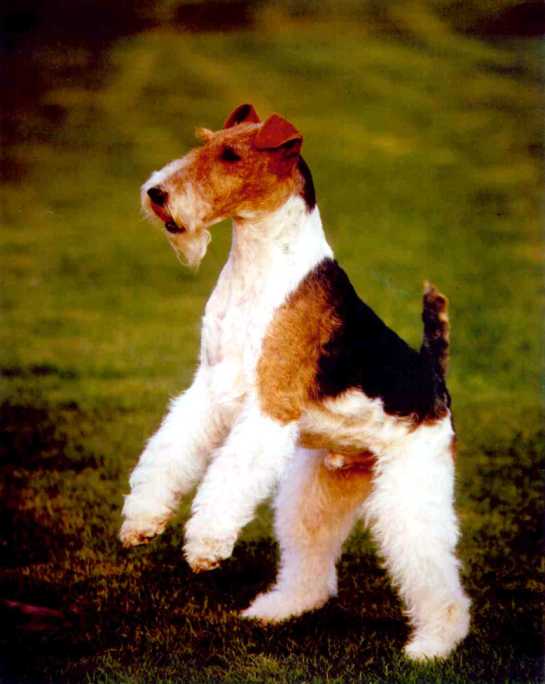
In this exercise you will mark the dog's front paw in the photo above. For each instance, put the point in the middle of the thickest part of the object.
(206, 554)
(138, 531)
(204, 550)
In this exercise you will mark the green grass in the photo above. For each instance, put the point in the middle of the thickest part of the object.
(426, 153)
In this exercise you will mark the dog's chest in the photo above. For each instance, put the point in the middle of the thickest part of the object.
(236, 319)
(266, 263)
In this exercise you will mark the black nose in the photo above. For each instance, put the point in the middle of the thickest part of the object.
(157, 196)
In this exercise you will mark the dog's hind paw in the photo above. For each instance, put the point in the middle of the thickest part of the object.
(438, 640)
(277, 605)
(421, 648)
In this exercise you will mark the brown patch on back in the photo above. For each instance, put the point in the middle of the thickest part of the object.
(286, 371)
(324, 341)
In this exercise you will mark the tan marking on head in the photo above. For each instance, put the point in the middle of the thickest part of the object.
(204, 134)
(236, 178)
(287, 368)
(229, 176)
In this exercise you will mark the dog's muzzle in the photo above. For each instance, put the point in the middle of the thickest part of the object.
(159, 198)
(174, 227)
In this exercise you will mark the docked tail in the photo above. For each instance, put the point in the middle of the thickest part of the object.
(436, 328)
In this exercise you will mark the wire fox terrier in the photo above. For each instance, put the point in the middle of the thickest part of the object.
(299, 383)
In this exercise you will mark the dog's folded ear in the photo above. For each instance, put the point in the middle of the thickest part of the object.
(277, 133)
(244, 113)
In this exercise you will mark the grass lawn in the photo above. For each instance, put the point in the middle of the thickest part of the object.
(426, 150)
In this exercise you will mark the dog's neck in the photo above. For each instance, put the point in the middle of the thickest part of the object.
(290, 238)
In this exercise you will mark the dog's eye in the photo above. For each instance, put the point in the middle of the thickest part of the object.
(229, 154)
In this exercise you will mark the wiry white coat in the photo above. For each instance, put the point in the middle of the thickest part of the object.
(216, 432)
(218, 418)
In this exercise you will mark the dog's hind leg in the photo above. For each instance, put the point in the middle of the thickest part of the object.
(412, 515)
(172, 462)
(316, 508)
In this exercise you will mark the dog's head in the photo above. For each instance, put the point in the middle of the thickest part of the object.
(245, 170)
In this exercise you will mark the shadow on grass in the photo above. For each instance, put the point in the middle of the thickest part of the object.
(157, 611)
(36, 440)
(154, 613)
(42, 437)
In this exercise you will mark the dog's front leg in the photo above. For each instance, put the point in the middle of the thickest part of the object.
(172, 462)
(242, 475)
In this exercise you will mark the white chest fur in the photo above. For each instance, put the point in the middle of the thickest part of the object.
(269, 257)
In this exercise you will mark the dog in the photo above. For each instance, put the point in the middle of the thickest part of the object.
(299, 383)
